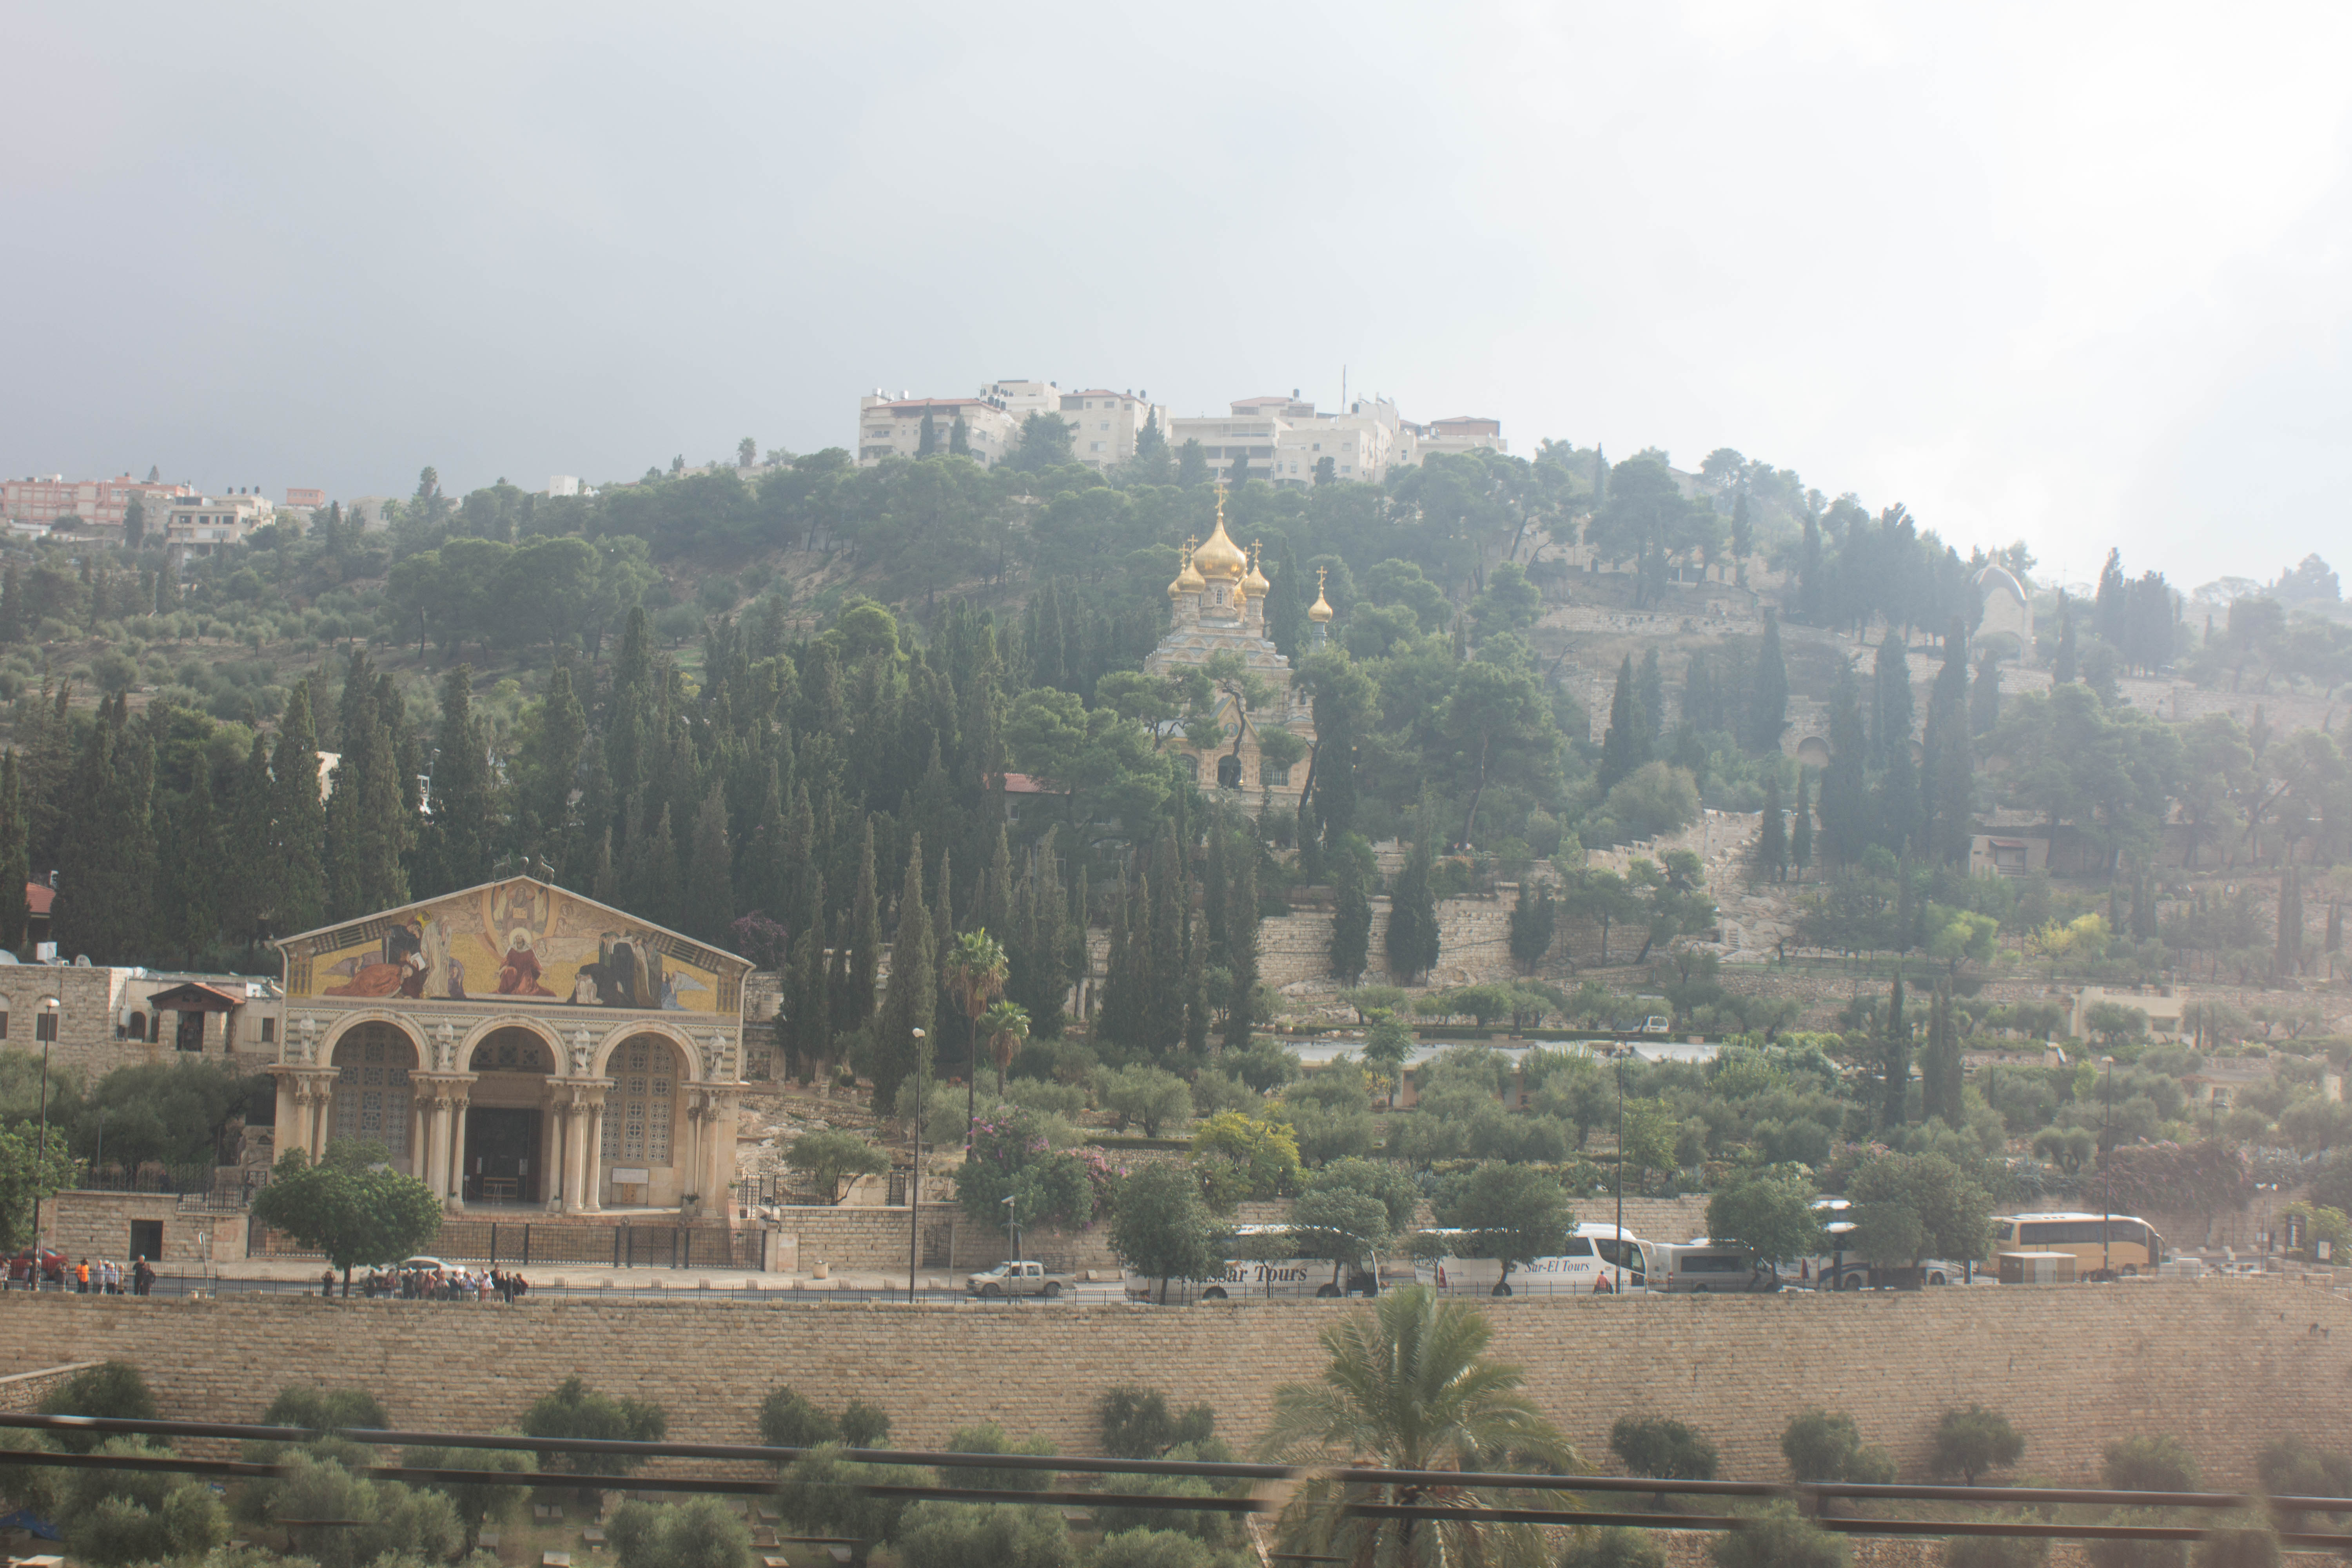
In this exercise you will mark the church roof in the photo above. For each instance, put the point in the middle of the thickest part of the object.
(1994, 577)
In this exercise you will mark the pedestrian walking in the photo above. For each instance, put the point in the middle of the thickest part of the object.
(81, 1276)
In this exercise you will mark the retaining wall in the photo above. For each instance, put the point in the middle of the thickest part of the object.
(2226, 1367)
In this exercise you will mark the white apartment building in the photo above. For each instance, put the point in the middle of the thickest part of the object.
(893, 426)
(1103, 424)
(1285, 438)
(1462, 434)
(199, 525)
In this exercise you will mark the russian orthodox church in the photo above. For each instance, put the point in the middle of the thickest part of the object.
(1219, 597)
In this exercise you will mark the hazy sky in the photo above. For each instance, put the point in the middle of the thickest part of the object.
(2076, 274)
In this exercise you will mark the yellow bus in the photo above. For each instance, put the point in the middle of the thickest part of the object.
(2122, 1243)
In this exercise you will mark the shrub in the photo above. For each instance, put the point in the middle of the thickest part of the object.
(2154, 1464)
(2293, 1468)
(955, 1535)
(1970, 1442)
(1210, 1527)
(1616, 1548)
(703, 1533)
(818, 1493)
(1778, 1537)
(136, 1516)
(788, 1420)
(988, 1437)
(864, 1426)
(1153, 1549)
(2247, 1546)
(1994, 1552)
(113, 1388)
(1820, 1447)
(1665, 1450)
(1136, 1423)
(2139, 1554)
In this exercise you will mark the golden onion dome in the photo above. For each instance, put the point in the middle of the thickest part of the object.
(1255, 583)
(1220, 558)
(1187, 581)
(1320, 610)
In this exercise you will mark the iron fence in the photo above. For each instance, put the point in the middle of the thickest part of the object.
(531, 1242)
(1231, 1484)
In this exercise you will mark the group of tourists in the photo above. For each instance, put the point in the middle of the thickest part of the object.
(108, 1278)
(421, 1282)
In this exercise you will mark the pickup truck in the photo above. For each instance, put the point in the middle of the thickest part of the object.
(1019, 1278)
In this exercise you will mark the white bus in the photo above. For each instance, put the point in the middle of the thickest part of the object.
(1262, 1279)
(1594, 1262)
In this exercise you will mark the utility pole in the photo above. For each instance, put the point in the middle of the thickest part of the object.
(1620, 1264)
(915, 1188)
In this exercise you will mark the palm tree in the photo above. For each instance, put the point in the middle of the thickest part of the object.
(1409, 1387)
(1005, 1027)
(974, 971)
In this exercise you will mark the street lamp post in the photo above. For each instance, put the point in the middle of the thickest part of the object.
(915, 1188)
(1620, 1264)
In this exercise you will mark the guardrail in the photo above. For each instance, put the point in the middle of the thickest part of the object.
(1816, 1496)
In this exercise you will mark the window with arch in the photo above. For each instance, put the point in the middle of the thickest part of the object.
(372, 1093)
(639, 1105)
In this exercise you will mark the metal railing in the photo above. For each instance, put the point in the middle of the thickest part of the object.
(531, 1243)
(1816, 1497)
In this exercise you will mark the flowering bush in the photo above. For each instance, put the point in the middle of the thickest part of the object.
(1015, 1155)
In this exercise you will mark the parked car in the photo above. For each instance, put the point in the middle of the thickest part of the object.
(1025, 1278)
(48, 1259)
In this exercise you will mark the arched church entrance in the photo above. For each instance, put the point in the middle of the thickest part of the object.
(645, 1154)
(510, 1123)
(372, 1096)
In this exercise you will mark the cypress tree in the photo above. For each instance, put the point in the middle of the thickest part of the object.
(1285, 605)
(812, 1013)
(2063, 667)
(2290, 921)
(1650, 688)
(1351, 922)
(1946, 785)
(1241, 948)
(1196, 993)
(1939, 1062)
(865, 944)
(1891, 706)
(1163, 959)
(1768, 698)
(662, 887)
(187, 873)
(910, 995)
(250, 881)
(1411, 943)
(1626, 744)
(348, 830)
(1122, 1004)
(549, 765)
(710, 905)
(1533, 921)
(1772, 835)
(1984, 697)
(12, 605)
(1846, 826)
(1895, 1081)
(297, 836)
(1213, 904)
(460, 823)
(15, 868)
(764, 883)
(1801, 833)
(383, 818)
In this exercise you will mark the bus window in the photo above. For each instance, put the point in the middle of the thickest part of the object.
(2127, 1233)
(1578, 1247)
(2005, 1232)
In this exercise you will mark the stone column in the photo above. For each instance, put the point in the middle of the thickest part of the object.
(718, 1153)
(416, 1135)
(593, 1194)
(690, 1163)
(575, 1169)
(545, 1158)
(428, 1169)
(457, 1155)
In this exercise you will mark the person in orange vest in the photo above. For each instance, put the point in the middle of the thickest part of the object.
(81, 1276)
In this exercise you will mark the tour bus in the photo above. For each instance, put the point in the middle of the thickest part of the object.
(1261, 1279)
(1594, 1262)
(2130, 1245)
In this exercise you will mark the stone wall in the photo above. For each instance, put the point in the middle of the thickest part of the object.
(864, 1239)
(98, 1224)
(24, 1391)
(2226, 1367)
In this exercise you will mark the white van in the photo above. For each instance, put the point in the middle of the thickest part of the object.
(1594, 1254)
(1261, 1279)
(1704, 1267)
